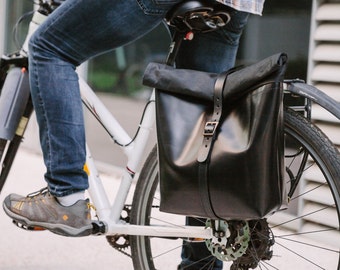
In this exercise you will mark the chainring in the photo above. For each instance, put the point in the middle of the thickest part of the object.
(121, 241)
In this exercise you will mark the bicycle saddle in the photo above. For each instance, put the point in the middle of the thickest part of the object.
(198, 16)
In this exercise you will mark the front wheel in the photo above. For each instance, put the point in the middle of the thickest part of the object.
(305, 236)
(16, 109)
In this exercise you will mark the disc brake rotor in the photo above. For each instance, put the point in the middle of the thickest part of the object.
(230, 239)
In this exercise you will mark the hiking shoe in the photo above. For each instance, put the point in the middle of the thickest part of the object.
(41, 210)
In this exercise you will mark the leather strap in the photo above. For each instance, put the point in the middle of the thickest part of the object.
(208, 139)
(212, 124)
(204, 189)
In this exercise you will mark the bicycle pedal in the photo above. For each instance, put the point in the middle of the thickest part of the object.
(99, 228)
(27, 228)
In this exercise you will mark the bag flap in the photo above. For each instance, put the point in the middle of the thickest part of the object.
(201, 84)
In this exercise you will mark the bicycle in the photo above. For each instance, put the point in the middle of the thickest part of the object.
(149, 233)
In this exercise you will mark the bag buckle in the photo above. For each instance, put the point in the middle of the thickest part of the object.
(210, 128)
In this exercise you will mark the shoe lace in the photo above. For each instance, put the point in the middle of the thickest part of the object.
(91, 206)
(44, 191)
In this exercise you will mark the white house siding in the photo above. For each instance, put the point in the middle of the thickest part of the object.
(324, 73)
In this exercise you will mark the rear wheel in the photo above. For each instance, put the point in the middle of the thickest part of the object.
(305, 236)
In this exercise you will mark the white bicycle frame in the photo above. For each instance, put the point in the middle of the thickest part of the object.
(107, 213)
(110, 214)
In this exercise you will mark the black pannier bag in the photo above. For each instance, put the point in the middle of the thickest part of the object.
(220, 140)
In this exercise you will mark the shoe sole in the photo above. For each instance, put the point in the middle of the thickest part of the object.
(59, 229)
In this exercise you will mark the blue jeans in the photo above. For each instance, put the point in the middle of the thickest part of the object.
(79, 30)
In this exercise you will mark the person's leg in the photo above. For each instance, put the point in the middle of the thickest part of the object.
(213, 51)
(210, 52)
(76, 31)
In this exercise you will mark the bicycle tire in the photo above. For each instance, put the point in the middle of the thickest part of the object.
(10, 153)
(9, 149)
(3, 144)
(149, 253)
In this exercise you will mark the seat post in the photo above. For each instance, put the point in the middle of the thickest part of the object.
(174, 47)
(194, 16)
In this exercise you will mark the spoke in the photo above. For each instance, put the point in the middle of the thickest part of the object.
(302, 257)
(167, 252)
(308, 191)
(304, 233)
(307, 244)
(167, 222)
(293, 157)
(269, 264)
(199, 220)
(210, 263)
(156, 198)
(308, 214)
(309, 166)
(254, 253)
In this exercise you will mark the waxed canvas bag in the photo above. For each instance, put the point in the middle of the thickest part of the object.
(220, 139)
